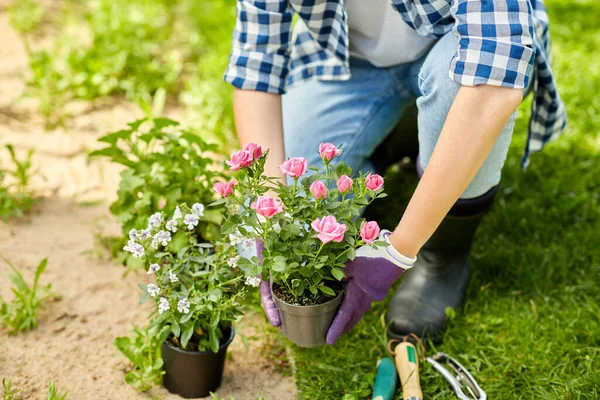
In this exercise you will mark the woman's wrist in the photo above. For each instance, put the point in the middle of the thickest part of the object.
(404, 244)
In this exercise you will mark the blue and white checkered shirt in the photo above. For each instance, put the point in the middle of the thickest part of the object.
(499, 40)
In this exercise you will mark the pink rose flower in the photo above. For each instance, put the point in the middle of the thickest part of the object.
(329, 229)
(344, 183)
(253, 149)
(224, 188)
(369, 232)
(318, 189)
(241, 159)
(294, 167)
(266, 206)
(374, 182)
(328, 151)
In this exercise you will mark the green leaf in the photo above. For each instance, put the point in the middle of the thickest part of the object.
(214, 339)
(328, 291)
(351, 253)
(338, 274)
(113, 137)
(175, 329)
(188, 330)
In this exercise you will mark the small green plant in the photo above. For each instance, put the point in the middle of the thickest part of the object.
(143, 351)
(165, 165)
(7, 392)
(21, 313)
(25, 17)
(53, 393)
(15, 198)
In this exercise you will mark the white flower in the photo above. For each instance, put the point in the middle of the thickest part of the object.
(172, 225)
(153, 268)
(134, 248)
(144, 234)
(163, 305)
(173, 277)
(249, 244)
(133, 234)
(152, 289)
(190, 220)
(155, 220)
(183, 306)
(198, 210)
(232, 262)
(177, 213)
(235, 238)
(253, 281)
(161, 237)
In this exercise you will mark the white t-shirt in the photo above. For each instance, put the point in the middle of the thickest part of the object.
(379, 34)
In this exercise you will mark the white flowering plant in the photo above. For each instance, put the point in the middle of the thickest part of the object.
(196, 286)
(165, 165)
(305, 231)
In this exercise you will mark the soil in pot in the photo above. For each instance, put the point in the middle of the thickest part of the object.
(308, 299)
(194, 374)
(307, 325)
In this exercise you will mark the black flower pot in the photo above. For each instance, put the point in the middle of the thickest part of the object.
(193, 374)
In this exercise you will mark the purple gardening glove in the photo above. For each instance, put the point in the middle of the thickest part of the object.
(370, 276)
(266, 297)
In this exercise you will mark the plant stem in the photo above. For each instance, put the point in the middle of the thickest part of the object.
(295, 186)
(320, 248)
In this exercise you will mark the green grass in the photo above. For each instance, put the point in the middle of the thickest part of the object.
(531, 326)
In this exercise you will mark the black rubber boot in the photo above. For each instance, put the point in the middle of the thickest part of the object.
(440, 276)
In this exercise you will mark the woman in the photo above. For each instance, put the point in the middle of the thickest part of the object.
(352, 68)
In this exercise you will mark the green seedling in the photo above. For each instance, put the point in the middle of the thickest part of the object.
(21, 313)
(15, 197)
(143, 351)
(53, 393)
(8, 393)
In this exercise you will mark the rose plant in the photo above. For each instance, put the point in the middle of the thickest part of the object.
(306, 230)
(196, 288)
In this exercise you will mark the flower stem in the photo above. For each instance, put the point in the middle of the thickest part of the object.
(295, 185)
(320, 248)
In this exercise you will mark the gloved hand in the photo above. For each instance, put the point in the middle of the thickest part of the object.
(370, 276)
(266, 297)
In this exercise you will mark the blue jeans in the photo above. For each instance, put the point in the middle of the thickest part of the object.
(361, 112)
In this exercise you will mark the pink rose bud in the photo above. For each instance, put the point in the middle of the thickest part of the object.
(240, 159)
(294, 167)
(329, 229)
(253, 149)
(318, 189)
(328, 151)
(224, 188)
(344, 183)
(266, 206)
(369, 231)
(374, 182)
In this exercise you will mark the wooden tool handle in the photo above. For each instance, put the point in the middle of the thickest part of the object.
(407, 363)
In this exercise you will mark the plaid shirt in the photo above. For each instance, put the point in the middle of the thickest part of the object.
(499, 40)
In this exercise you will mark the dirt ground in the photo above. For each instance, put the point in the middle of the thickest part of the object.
(74, 342)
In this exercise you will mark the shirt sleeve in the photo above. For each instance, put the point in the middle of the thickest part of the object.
(495, 43)
(261, 46)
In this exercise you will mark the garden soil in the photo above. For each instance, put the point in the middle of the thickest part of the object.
(73, 344)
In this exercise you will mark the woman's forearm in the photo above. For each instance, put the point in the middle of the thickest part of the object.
(258, 120)
(472, 126)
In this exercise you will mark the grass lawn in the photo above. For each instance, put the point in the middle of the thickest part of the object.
(531, 326)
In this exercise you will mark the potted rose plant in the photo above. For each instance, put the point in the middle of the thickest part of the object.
(196, 290)
(305, 232)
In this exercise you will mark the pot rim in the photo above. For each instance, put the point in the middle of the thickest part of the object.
(314, 305)
(200, 353)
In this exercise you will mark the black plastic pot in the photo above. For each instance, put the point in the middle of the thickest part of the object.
(307, 326)
(193, 374)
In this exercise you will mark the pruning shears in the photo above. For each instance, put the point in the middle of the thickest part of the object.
(407, 360)
(462, 382)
